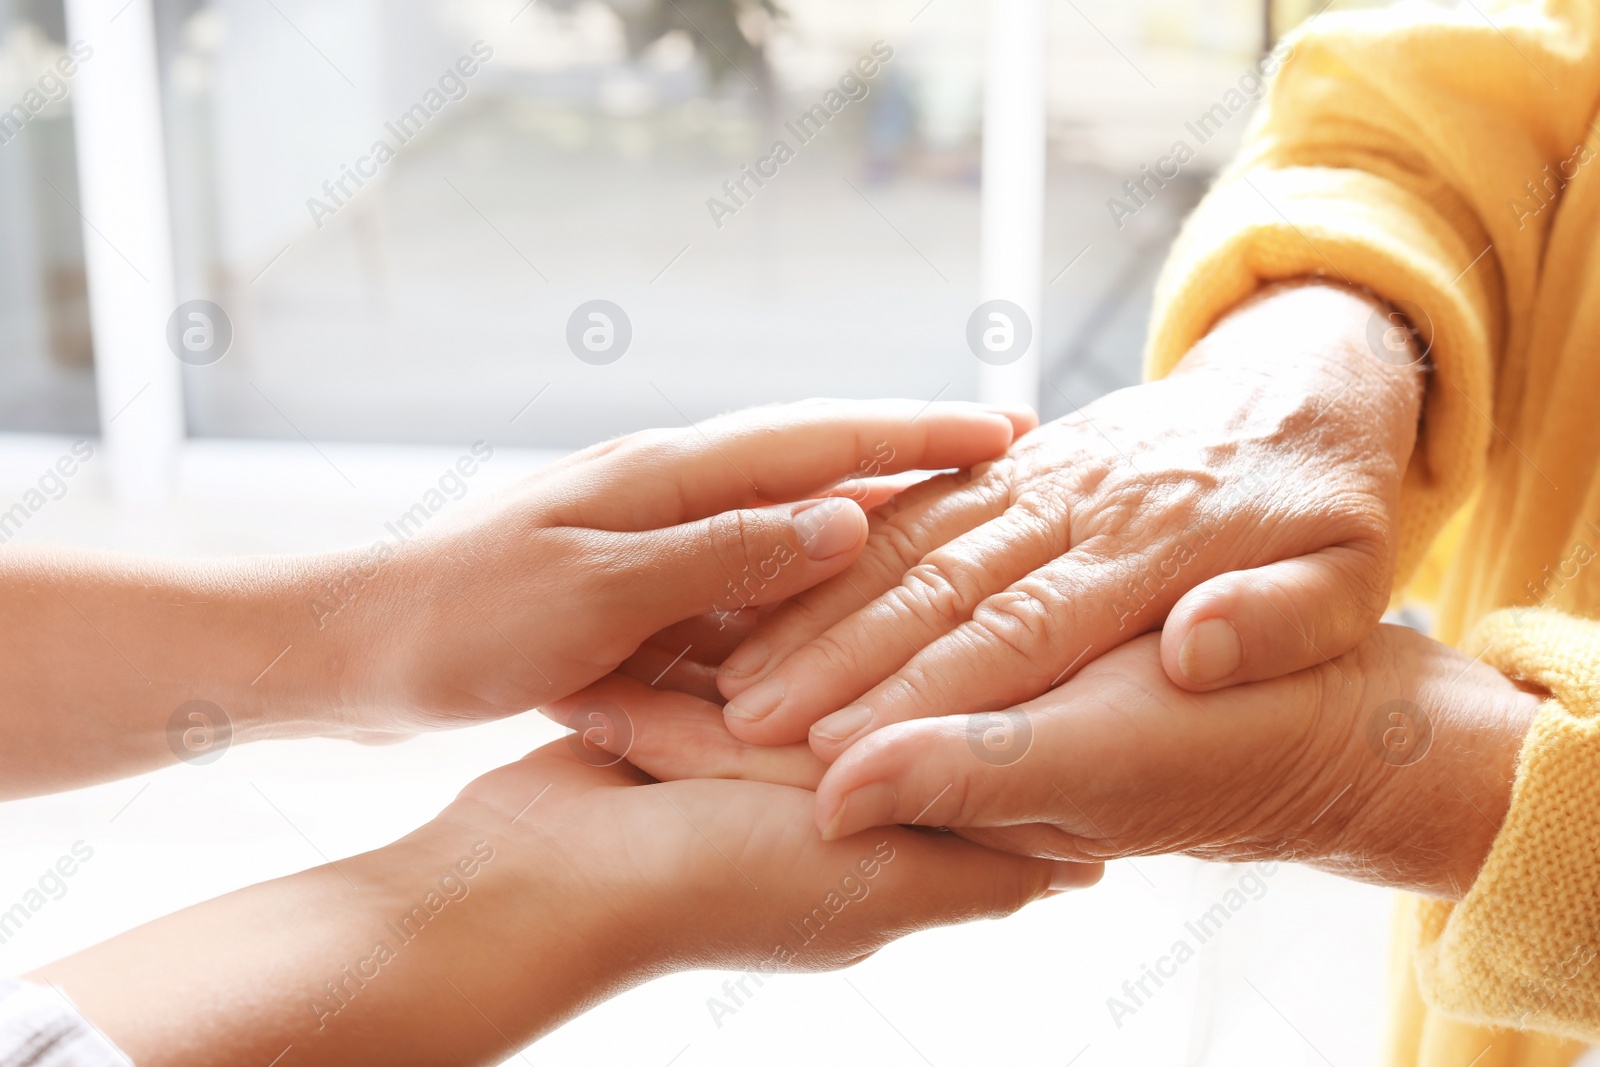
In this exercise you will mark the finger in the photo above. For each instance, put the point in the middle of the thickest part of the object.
(938, 595)
(381, 737)
(944, 772)
(514, 787)
(685, 656)
(1274, 620)
(710, 637)
(1119, 760)
(945, 879)
(1041, 841)
(663, 477)
(725, 563)
(922, 880)
(1019, 643)
(875, 492)
(673, 671)
(926, 517)
(673, 736)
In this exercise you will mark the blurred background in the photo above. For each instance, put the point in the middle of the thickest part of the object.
(369, 313)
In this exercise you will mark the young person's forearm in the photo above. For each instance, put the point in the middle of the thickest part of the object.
(114, 665)
(396, 956)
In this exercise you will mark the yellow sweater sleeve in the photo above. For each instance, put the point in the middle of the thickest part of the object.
(1390, 153)
(1522, 948)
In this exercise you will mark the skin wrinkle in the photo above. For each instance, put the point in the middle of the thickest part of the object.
(1036, 519)
(901, 543)
(940, 588)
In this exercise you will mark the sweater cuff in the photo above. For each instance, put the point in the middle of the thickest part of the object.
(1266, 225)
(1522, 948)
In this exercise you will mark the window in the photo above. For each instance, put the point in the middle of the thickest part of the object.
(402, 207)
(46, 353)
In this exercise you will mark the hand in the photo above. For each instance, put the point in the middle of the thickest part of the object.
(119, 664)
(556, 582)
(547, 886)
(713, 871)
(1246, 502)
(1392, 764)
(675, 735)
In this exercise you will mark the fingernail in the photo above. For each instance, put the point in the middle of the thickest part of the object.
(861, 809)
(828, 528)
(757, 702)
(843, 724)
(1211, 652)
(1065, 875)
(1022, 411)
(749, 658)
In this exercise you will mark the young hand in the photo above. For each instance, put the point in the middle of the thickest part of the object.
(117, 664)
(546, 887)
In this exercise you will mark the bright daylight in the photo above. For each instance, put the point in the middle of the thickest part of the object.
(695, 533)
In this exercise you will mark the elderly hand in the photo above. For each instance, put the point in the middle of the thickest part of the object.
(1246, 501)
(1392, 763)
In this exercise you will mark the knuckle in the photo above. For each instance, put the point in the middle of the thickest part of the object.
(649, 450)
(879, 567)
(897, 544)
(1017, 885)
(936, 593)
(1019, 620)
(1302, 630)
(917, 691)
(963, 805)
(651, 442)
(1369, 588)
(1041, 515)
(732, 542)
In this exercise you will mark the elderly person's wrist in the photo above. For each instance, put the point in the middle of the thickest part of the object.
(1355, 358)
(1433, 759)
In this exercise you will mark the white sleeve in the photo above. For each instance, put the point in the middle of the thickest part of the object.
(40, 1027)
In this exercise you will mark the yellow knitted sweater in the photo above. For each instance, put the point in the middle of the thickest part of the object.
(1450, 161)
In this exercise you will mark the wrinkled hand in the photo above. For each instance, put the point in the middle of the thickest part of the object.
(1392, 763)
(552, 584)
(1247, 501)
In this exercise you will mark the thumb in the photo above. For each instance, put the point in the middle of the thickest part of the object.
(969, 771)
(1258, 624)
(734, 560)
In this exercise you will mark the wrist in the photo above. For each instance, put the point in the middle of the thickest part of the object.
(565, 936)
(360, 628)
(294, 674)
(1343, 349)
(1432, 762)
(398, 955)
